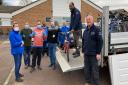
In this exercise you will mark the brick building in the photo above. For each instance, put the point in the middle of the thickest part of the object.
(45, 9)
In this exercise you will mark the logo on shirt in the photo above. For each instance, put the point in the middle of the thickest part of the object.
(92, 33)
(53, 36)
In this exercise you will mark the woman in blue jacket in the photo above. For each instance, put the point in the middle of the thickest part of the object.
(16, 43)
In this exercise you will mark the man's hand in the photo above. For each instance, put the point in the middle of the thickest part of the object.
(98, 57)
(72, 31)
(22, 43)
(23, 36)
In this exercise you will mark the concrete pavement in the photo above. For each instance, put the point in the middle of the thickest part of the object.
(46, 76)
(6, 61)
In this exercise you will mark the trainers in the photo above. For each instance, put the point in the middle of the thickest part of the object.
(74, 53)
(87, 84)
(33, 69)
(21, 75)
(29, 65)
(54, 67)
(19, 80)
(77, 55)
(26, 67)
(50, 65)
(39, 68)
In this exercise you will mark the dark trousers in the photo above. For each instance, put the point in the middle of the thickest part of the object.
(17, 60)
(27, 53)
(76, 36)
(45, 48)
(36, 56)
(91, 70)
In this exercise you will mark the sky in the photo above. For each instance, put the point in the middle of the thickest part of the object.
(113, 4)
(13, 2)
(110, 2)
(98, 2)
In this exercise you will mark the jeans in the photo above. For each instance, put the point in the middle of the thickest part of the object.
(17, 60)
(36, 56)
(91, 70)
(52, 52)
(27, 53)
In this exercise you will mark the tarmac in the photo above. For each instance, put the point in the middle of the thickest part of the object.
(6, 61)
(47, 76)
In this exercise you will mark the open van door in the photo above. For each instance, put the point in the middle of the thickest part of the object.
(105, 33)
(118, 65)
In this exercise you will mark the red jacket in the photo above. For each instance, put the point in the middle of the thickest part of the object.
(39, 37)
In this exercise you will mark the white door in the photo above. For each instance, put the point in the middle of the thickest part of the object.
(119, 69)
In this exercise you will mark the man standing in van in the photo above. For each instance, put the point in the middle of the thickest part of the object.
(75, 27)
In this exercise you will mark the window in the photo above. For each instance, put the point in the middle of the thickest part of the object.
(48, 19)
(61, 19)
(5, 22)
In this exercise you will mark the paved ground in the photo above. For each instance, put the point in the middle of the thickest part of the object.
(55, 77)
(6, 62)
(45, 77)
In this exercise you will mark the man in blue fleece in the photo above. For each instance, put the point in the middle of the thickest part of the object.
(91, 47)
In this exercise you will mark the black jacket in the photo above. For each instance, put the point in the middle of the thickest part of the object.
(53, 35)
(92, 41)
(75, 22)
(25, 33)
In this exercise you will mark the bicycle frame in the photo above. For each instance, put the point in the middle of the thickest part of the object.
(66, 45)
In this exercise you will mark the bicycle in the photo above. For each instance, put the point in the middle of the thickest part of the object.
(67, 42)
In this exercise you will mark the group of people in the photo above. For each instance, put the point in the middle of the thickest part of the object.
(37, 41)
(44, 39)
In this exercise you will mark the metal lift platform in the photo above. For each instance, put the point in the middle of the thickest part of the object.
(73, 64)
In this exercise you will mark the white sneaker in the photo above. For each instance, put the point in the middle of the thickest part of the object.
(86, 84)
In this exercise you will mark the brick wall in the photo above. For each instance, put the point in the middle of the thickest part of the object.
(5, 29)
(87, 9)
(39, 12)
(44, 10)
